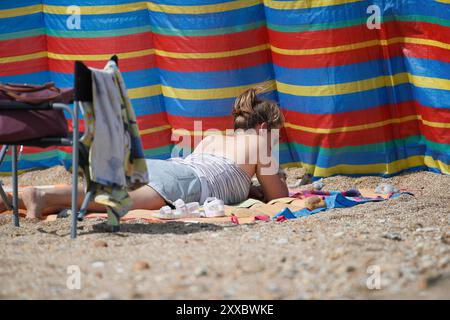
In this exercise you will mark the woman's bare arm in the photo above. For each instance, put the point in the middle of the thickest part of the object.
(272, 180)
(273, 186)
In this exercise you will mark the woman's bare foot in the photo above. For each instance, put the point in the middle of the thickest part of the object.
(34, 201)
(2, 205)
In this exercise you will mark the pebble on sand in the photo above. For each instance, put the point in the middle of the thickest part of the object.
(393, 236)
(97, 264)
(201, 271)
(100, 244)
(141, 265)
(104, 296)
(445, 238)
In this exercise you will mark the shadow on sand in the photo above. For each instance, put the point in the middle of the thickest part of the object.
(172, 227)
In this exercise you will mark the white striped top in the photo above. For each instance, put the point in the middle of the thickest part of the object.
(221, 177)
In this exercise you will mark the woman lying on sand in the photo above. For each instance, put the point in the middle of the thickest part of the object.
(221, 166)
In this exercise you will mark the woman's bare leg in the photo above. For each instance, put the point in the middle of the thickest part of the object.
(146, 198)
(45, 201)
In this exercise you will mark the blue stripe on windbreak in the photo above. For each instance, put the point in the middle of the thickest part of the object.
(367, 99)
(99, 22)
(217, 79)
(354, 11)
(203, 108)
(8, 4)
(190, 2)
(387, 155)
(148, 106)
(30, 78)
(21, 23)
(362, 71)
(89, 2)
(133, 79)
(209, 20)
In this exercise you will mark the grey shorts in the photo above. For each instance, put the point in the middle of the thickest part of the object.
(173, 181)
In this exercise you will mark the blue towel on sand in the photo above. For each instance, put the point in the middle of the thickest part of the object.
(335, 200)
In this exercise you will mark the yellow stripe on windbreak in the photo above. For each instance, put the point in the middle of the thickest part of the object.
(435, 124)
(23, 11)
(100, 57)
(108, 9)
(219, 93)
(351, 128)
(144, 92)
(210, 55)
(209, 132)
(135, 54)
(367, 126)
(155, 129)
(377, 168)
(73, 57)
(305, 4)
(200, 9)
(136, 6)
(25, 57)
(360, 45)
(363, 85)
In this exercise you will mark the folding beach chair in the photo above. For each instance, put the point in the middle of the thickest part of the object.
(83, 93)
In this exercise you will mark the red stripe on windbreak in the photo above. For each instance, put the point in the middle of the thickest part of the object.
(203, 123)
(22, 46)
(152, 120)
(361, 55)
(355, 34)
(157, 139)
(23, 67)
(174, 64)
(125, 65)
(367, 116)
(213, 43)
(106, 45)
(144, 121)
(215, 64)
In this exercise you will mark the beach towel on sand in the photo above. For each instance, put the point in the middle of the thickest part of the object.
(333, 199)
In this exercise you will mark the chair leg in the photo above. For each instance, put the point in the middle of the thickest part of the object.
(3, 195)
(84, 205)
(75, 156)
(15, 187)
(3, 153)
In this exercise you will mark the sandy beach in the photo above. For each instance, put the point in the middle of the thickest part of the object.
(330, 255)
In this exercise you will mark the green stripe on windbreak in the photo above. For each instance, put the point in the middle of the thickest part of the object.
(284, 146)
(377, 147)
(62, 155)
(158, 151)
(350, 23)
(420, 18)
(207, 32)
(22, 34)
(40, 156)
(315, 27)
(148, 153)
(166, 31)
(96, 34)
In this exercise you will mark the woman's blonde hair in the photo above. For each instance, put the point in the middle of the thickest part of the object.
(249, 110)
